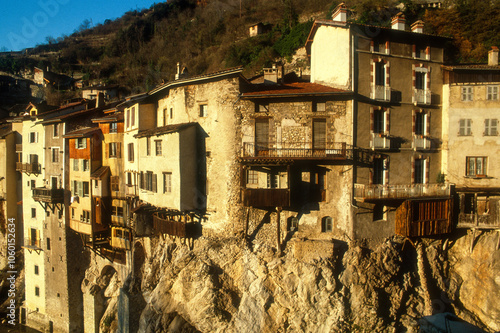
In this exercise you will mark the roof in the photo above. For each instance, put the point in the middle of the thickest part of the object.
(293, 89)
(115, 117)
(222, 73)
(99, 173)
(100, 87)
(5, 130)
(81, 133)
(76, 113)
(163, 130)
(464, 67)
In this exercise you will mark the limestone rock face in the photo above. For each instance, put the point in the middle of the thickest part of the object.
(228, 286)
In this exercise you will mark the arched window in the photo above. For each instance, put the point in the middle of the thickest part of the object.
(327, 224)
(292, 224)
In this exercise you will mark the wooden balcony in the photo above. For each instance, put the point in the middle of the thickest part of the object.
(298, 150)
(48, 195)
(478, 221)
(131, 190)
(266, 197)
(424, 218)
(365, 192)
(29, 168)
(81, 227)
(169, 226)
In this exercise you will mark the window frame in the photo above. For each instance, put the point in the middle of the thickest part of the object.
(167, 182)
(467, 94)
(492, 95)
(483, 166)
(55, 155)
(204, 110)
(466, 125)
(113, 127)
(158, 148)
(489, 128)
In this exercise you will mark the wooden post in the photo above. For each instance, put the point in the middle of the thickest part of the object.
(278, 231)
(472, 239)
(246, 223)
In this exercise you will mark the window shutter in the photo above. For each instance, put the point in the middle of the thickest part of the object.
(155, 189)
(84, 143)
(387, 73)
(413, 170)
(36, 137)
(80, 189)
(386, 171)
(371, 119)
(118, 149)
(427, 167)
(494, 125)
(413, 122)
(387, 115)
(428, 124)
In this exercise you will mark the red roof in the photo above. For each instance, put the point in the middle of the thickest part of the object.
(294, 89)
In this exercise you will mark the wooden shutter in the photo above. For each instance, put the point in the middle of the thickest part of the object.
(155, 189)
(428, 124)
(118, 149)
(319, 133)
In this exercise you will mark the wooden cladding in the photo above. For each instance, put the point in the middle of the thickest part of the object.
(266, 197)
(423, 218)
(76, 153)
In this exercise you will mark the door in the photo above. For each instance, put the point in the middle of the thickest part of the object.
(262, 137)
(53, 183)
(319, 136)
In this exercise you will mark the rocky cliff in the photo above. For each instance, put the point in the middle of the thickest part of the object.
(387, 286)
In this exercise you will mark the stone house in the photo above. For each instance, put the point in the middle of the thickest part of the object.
(396, 78)
(471, 112)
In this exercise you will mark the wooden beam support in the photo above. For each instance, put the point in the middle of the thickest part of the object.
(278, 231)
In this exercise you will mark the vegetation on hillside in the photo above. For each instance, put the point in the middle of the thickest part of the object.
(141, 49)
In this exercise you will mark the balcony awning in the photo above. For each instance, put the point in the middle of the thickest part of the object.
(100, 173)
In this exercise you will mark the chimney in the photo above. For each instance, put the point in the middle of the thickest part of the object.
(493, 56)
(178, 74)
(399, 22)
(418, 27)
(340, 13)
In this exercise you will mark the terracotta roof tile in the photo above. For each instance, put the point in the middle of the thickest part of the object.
(293, 89)
(163, 130)
(80, 133)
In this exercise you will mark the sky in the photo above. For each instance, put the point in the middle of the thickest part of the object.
(26, 23)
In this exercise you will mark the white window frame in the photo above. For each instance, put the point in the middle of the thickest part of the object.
(465, 127)
(467, 94)
(490, 127)
(492, 93)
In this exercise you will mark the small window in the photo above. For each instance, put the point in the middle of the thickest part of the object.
(76, 165)
(36, 270)
(33, 212)
(32, 184)
(158, 147)
(171, 113)
(492, 93)
(203, 110)
(167, 182)
(465, 127)
(293, 224)
(86, 189)
(86, 165)
(33, 138)
(48, 243)
(55, 132)
(148, 146)
(467, 94)
(476, 166)
(85, 217)
(490, 127)
(81, 143)
(113, 128)
(117, 211)
(113, 149)
(133, 117)
(379, 212)
(252, 177)
(115, 183)
(130, 152)
(319, 107)
(327, 224)
(55, 155)
(37, 291)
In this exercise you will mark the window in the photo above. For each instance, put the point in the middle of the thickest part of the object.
(261, 107)
(115, 183)
(37, 291)
(76, 164)
(32, 184)
(85, 217)
(167, 182)
(72, 213)
(319, 107)
(465, 127)
(129, 178)
(130, 152)
(421, 84)
(114, 149)
(128, 117)
(55, 131)
(86, 165)
(492, 93)
(421, 52)
(33, 138)
(476, 166)
(467, 94)
(113, 128)
(379, 212)
(36, 270)
(148, 146)
(327, 224)
(81, 143)
(171, 113)
(48, 243)
(132, 116)
(380, 87)
(158, 147)
(420, 167)
(117, 211)
(203, 110)
(292, 224)
(379, 121)
(252, 177)
(33, 212)
(379, 171)
(421, 123)
(55, 155)
(150, 181)
(490, 127)
(86, 191)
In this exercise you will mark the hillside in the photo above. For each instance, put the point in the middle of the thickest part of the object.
(141, 49)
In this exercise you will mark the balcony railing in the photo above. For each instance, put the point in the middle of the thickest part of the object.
(370, 192)
(421, 142)
(480, 221)
(131, 190)
(48, 195)
(32, 243)
(28, 167)
(422, 96)
(381, 93)
(299, 150)
(380, 141)
(266, 197)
